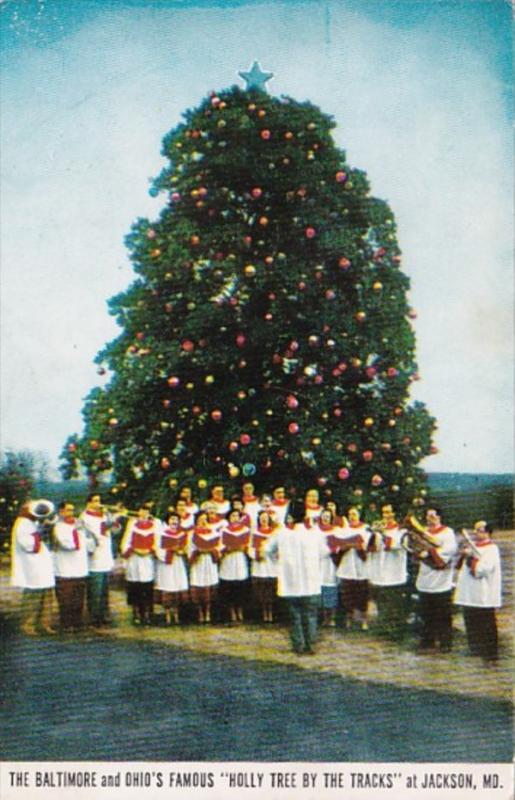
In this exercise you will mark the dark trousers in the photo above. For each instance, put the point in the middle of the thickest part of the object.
(98, 597)
(392, 611)
(481, 627)
(436, 619)
(354, 595)
(70, 593)
(140, 595)
(304, 621)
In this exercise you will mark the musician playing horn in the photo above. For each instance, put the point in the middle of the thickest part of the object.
(478, 590)
(32, 568)
(388, 575)
(71, 567)
(98, 525)
(434, 581)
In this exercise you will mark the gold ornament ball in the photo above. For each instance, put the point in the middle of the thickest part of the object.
(250, 270)
(202, 484)
(368, 422)
(209, 379)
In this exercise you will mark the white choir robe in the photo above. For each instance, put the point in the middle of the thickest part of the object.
(479, 586)
(234, 565)
(432, 580)
(388, 565)
(101, 558)
(31, 566)
(265, 566)
(139, 568)
(252, 509)
(280, 511)
(328, 566)
(351, 566)
(299, 552)
(204, 570)
(169, 577)
(313, 512)
(70, 554)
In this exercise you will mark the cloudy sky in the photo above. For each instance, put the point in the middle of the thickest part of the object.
(421, 94)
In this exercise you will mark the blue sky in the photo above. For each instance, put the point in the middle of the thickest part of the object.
(421, 92)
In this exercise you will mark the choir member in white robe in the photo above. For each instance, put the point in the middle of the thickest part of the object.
(171, 581)
(234, 564)
(137, 548)
(32, 569)
(388, 574)
(299, 548)
(71, 568)
(478, 591)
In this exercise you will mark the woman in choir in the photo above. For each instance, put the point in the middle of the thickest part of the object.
(137, 548)
(204, 556)
(327, 525)
(352, 570)
(234, 564)
(263, 568)
(171, 567)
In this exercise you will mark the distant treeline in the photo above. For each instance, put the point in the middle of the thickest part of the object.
(463, 497)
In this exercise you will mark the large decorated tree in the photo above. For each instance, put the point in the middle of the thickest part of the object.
(267, 335)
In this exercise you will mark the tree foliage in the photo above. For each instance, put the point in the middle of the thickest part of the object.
(267, 334)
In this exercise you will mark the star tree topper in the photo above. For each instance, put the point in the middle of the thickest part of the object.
(256, 78)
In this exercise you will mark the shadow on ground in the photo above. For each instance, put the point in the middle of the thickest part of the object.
(98, 699)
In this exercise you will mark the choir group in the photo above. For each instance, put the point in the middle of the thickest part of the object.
(221, 551)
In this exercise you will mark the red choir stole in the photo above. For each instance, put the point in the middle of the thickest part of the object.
(142, 537)
(233, 538)
(173, 542)
(103, 526)
(259, 538)
(202, 543)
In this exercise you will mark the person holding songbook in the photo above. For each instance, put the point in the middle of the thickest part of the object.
(204, 557)
(328, 527)
(478, 591)
(351, 544)
(388, 574)
(137, 548)
(234, 564)
(263, 567)
(170, 547)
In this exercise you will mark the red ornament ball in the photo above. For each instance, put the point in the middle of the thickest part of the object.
(310, 232)
(368, 455)
(341, 176)
(265, 134)
(188, 346)
(344, 263)
(256, 192)
(343, 473)
(245, 439)
(293, 427)
(216, 415)
(240, 340)
(292, 402)
(173, 381)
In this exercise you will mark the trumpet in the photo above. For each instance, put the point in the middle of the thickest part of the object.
(468, 543)
(122, 512)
